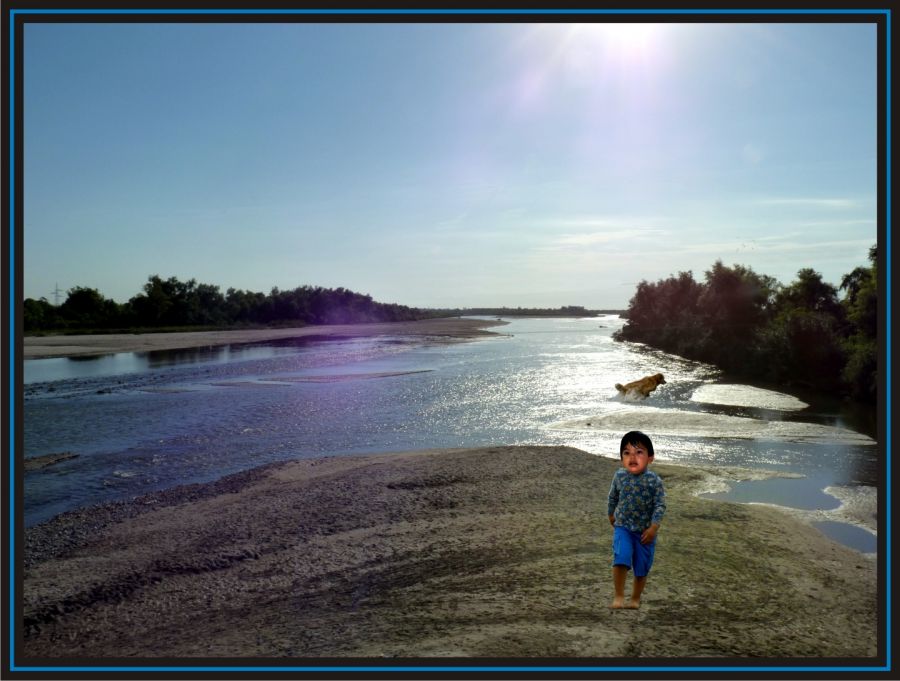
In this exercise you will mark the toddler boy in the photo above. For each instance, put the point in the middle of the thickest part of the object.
(637, 502)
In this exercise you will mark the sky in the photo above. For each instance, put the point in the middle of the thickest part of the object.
(445, 164)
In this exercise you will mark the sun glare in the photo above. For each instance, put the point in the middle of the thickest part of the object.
(619, 38)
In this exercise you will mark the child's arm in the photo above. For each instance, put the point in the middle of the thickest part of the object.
(613, 500)
(659, 509)
(649, 534)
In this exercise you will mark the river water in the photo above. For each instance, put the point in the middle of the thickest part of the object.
(140, 422)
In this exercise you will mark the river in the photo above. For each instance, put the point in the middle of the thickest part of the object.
(142, 422)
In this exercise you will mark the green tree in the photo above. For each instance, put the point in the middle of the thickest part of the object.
(735, 305)
(810, 292)
(750, 324)
(244, 307)
(39, 315)
(804, 339)
(152, 307)
(204, 304)
(665, 314)
(861, 344)
(87, 308)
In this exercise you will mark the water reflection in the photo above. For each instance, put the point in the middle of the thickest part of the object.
(70, 368)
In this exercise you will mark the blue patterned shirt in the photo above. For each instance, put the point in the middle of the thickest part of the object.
(637, 501)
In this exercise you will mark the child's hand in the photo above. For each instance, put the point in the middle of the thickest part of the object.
(612, 519)
(649, 534)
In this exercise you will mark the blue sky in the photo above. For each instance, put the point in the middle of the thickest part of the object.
(445, 164)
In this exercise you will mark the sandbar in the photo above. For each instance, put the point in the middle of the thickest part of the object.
(448, 328)
(487, 553)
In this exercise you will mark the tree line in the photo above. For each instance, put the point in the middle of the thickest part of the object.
(749, 324)
(168, 303)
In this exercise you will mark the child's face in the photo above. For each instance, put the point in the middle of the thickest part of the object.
(635, 459)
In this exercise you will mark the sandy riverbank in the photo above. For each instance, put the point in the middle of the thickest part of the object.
(490, 552)
(36, 347)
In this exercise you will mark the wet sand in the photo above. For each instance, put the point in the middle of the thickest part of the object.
(480, 553)
(36, 347)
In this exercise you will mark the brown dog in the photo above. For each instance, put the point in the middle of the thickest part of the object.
(643, 386)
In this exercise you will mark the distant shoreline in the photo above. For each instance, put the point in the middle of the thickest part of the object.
(45, 347)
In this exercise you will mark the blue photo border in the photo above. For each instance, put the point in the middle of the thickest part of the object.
(13, 14)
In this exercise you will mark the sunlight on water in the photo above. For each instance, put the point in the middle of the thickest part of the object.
(540, 383)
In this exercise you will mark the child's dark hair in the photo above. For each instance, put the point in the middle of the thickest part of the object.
(635, 438)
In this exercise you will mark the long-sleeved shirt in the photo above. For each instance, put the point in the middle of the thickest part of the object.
(637, 501)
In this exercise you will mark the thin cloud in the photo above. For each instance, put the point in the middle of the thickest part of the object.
(593, 238)
(617, 222)
(810, 202)
(452, 223)
(585, 232)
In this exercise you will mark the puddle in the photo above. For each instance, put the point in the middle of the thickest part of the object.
(848, 535)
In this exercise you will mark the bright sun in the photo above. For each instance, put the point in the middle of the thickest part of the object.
(620, 38)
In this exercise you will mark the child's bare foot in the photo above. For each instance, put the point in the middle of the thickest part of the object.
(618, 603)
(634, 604)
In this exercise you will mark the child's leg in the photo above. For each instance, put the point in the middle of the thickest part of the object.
(619, 574)
(643, 560)
(636, 590)
(622, 557)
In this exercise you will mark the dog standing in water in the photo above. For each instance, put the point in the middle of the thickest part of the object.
(641, 387)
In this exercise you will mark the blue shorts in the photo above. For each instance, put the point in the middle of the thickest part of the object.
(628, 551)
